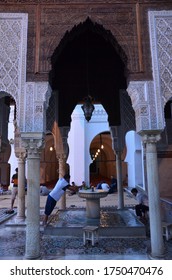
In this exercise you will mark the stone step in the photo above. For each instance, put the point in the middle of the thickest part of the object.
(4, 216)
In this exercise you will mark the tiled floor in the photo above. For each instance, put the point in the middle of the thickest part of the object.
(53, 247)
(12, 246)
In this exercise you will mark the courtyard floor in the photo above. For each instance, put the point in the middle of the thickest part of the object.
(54, 246)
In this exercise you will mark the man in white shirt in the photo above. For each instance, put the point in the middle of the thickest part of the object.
(57, 192)
(105, 186)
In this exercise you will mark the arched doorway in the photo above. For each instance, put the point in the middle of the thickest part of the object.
(103, 157)
(7, 117)
(88, 60)
(49, 164)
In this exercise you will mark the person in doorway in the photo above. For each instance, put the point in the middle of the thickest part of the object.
(56, 193)
(14, 192)
(142, 207)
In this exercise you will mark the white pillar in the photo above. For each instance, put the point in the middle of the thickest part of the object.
(157, 244)
(134, 159)
(76, 141)
(79, 139)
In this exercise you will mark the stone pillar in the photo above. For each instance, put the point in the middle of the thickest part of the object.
(145, 185)
(117, 146)
(33, 144)
(119, 180)
(157, 244)
(62, 171)
(61, 147)
(21, 188)
(20, 155)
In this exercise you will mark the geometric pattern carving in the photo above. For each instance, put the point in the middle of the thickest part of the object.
(31, 98)
(71, 19)
(13, 42)
(37, 96)
(127, 113)
(149, 98)
(10, 34)
(146, 106)
(161, 45)
(50, 114)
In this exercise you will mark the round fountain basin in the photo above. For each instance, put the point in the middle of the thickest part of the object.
(92, 201)
(89, 194)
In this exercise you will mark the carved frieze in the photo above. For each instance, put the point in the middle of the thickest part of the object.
(36, 102)
(147, 106)
(110, 17)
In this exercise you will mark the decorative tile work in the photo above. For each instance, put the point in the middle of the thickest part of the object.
(37, 96)
(12, 245)
(149, 97)
(147, 106)
(161, 45)
(13, 44)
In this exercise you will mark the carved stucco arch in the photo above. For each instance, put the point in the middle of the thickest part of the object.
(75, 22)
(150, 97)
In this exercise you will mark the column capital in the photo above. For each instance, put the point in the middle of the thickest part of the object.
(21, 155)
(151, 138)
(33, 143)
(61, 156)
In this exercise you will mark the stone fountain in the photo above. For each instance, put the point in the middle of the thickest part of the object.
(92, 201)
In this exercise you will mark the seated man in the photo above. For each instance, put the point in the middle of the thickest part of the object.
(142, 206)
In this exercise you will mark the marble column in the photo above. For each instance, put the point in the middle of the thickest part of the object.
(144, 167)
(21, 187)
(33, 145)
(157, 244)
(62, 171)
(119, 180)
